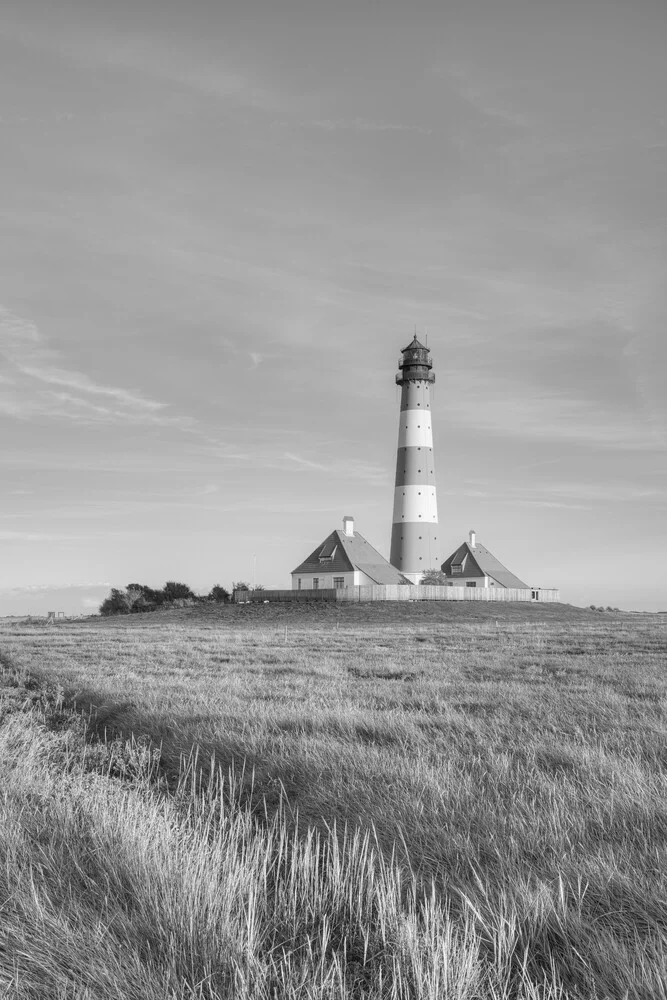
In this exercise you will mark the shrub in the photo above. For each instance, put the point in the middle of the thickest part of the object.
(434, 578)
(136, 599)
(151, 596)
(173, 591)
(218, 594)
(115, 604)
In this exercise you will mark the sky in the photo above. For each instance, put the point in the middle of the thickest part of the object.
(221, 221)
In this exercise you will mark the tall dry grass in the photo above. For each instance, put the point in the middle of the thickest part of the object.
(466, 811)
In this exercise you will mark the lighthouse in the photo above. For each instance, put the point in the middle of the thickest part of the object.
(414, 533)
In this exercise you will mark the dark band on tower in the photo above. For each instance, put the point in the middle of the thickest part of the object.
(414, 534)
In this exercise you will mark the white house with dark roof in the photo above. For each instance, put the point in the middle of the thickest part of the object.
(344, 559)
(472, 565)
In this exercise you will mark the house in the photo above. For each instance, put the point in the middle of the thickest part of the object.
(472, 565)
(344, 559)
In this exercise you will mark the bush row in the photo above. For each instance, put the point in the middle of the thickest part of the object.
(138, 598)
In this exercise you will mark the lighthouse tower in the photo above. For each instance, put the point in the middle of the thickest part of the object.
(414, 534)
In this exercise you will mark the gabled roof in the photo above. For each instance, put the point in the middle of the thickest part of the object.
(415, 345)
(350, 552)
(484, 562)
(328, 557)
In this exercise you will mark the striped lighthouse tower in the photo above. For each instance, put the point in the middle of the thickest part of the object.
(414, 534)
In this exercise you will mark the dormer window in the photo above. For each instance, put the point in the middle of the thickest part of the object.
(457, 570)
(327, 552)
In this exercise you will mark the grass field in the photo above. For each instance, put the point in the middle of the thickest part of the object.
(403, 801)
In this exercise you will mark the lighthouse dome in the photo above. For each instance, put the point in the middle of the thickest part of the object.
(415, 363)
(415, 345)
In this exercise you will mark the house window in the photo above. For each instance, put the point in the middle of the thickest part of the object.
(298, 584)
(339, 582)
(316, 583)
(535, 595)
(457, 570)
(471, 583)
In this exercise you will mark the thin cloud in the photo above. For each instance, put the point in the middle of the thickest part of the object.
(614, 492)
(76, 380)
(35, 379)
(37, 588)
(305, 463)
(512, 409)
(549, 504)
(347, 469)
(153, 58)
(272, 507)
(482, 96)
(35, 536)
(364, 125)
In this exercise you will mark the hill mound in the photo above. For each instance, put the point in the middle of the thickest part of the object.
(391, 613)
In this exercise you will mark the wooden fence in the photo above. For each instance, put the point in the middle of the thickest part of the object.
(398, 592)
(264, 596)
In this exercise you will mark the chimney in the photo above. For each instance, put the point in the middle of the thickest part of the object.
(472, 538)
(348, 526)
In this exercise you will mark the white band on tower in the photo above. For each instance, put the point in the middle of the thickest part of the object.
(414, 430)
(415, 503)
